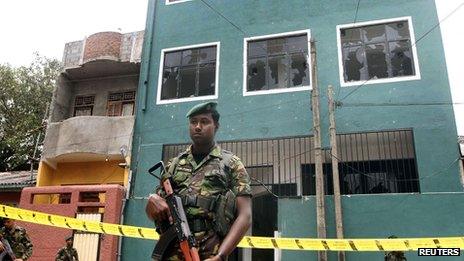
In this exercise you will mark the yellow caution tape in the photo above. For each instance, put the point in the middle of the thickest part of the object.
(398, 244)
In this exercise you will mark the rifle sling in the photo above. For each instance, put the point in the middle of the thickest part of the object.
(166, 239)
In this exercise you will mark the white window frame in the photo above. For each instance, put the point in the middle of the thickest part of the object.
(176, 2)
(188, 99)
(417, 75)
(270, 36)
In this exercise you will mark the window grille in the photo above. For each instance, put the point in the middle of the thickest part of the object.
(83, 105)
(370, 163)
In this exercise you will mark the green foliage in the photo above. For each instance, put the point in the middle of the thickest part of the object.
(25, 93)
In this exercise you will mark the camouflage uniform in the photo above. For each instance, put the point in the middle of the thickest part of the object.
(206, 179)
(19, 241)
(395, 256)
(67, 254)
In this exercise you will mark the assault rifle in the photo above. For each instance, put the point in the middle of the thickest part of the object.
(179, 230)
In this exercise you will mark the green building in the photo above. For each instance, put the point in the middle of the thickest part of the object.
(396, 133)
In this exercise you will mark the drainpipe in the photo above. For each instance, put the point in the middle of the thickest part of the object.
(143, 84)
(147, 51)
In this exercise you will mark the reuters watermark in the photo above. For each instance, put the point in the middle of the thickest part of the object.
(438, 252)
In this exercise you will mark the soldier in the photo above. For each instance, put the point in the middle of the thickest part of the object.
(68, 252)
(395, 255)
(18, 239)
(200, 174)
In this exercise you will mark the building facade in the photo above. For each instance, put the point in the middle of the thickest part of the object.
(399, 171)
(84, 169)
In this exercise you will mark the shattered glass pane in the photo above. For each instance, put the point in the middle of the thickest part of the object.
(187, 82)
(350, 36)
(297, 44)
(169, 86)
(353, 61)
(276, 46)
(376, 60)
(278, 63)
(172, 59)
(207, 55)
(207, 79)
(190, 57)
(401, 58)
(257, 49)
(278, 72)
(373, 34)
(189, 73)
(377, 51)
(256, 75)
(397, 30)
(299, 71)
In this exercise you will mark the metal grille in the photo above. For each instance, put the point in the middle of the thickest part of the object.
(84, 100)
(370, 162)
(87, 244)
(120, 96)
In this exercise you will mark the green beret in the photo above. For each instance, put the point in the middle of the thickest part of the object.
(202, 108)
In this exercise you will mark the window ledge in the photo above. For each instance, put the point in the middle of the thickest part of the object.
(274, 91)
(380, 81)
(176, 2)
(188, 99)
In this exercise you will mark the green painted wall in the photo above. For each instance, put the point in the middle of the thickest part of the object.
(375, 216)
(289, 114)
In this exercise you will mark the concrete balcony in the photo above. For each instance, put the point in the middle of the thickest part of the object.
(103, 54)
(87, 138)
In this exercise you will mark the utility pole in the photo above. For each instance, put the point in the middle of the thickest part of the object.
(335, 174)
(320, 204)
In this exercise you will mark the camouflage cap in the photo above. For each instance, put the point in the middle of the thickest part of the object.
(202, 108)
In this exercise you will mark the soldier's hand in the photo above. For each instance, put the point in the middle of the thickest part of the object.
(157, 208)
(2, 248)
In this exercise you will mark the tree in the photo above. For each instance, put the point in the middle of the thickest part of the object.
(25, 94)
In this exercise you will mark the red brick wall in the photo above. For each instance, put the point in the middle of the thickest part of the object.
(105, 45)
(47, 239)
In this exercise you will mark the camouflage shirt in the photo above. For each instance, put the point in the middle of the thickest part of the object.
(395, 256)
(19, 241)
(218, 172)
(67, 254)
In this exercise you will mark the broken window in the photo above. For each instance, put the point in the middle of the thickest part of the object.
(277, 63)
(189, 73)
(83, 105)
(377, 51)
(121, 104)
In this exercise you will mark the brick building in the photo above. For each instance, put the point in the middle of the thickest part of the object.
(84, 170)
